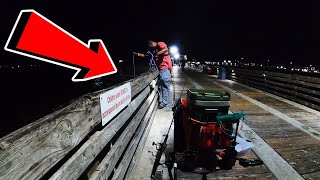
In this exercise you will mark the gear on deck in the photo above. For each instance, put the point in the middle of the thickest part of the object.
(205, 134)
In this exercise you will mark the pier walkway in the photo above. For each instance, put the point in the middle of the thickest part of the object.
(285, 134)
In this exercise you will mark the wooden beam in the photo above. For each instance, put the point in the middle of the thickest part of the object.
(289, 94)
(310, 98)
(276, 164)
(35, 148)
(307, 84)
(291, 81)
(307, 129)
(137, 155)
(281, 84)
(307, 90)
(280, 97)
(308, 79)
(248, 73)
(32, 150)
(109, 162)
(283, 90)
(125, 162)
(276, 74)
(79, 162)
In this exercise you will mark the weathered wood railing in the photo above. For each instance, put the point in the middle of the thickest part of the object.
(71, 142)
(299, 88)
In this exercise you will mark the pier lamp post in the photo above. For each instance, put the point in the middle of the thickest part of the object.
(174, 51)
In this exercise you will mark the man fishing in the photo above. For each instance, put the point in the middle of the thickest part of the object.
(164, 65)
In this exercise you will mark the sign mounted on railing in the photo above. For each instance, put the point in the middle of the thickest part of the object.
(113, 101)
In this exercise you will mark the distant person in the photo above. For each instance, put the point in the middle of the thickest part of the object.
(164, 65)
(183, 61)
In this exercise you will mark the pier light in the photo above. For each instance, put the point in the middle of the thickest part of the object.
(176, 56)
(174, 50)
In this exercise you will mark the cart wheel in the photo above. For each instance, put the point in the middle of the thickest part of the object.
(208, 160)
(228, 163)
(229, 158)
(188, 162)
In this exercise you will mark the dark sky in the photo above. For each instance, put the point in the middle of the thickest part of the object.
(279, 30)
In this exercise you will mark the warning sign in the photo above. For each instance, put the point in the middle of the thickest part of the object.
(113, 101)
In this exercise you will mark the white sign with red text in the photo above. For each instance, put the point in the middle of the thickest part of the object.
(113, 101)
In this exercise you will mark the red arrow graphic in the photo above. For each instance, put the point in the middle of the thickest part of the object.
(35, 36)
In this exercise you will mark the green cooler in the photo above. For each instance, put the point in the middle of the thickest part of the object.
(205, 105)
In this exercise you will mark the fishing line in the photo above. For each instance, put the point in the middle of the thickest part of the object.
(134, 67)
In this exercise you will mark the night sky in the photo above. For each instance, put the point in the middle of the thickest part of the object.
(204, 30)
(282, 31)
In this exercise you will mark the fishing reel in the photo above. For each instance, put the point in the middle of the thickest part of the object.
(158, 145)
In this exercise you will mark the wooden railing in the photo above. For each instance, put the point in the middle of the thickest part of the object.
(302, 89)
(71, 143)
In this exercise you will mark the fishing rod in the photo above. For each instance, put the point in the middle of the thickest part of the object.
(162, 145)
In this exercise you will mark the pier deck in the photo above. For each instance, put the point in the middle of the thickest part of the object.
(286, 135)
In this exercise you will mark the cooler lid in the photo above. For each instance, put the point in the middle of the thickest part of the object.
(207, 95)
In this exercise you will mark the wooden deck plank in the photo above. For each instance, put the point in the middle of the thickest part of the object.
(72, 169)
(312, 176)
(137, 155)
(125, 162)
(107, 165)
(288, 109)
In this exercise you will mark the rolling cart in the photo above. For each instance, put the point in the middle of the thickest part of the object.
(204, 133)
